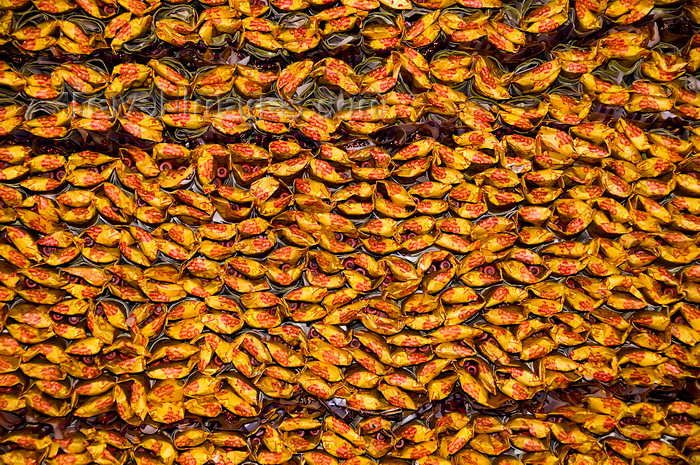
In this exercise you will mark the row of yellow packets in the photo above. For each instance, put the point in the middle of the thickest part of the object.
(507, 27)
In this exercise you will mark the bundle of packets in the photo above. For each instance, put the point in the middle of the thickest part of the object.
(354, 232)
